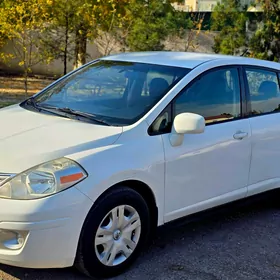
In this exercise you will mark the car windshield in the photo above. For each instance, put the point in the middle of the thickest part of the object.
(116, 93)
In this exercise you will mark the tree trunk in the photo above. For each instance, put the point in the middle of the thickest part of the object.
(25, 82)
(80, 47)
(66, 44)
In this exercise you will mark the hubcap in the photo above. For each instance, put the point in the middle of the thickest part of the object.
(117, 235)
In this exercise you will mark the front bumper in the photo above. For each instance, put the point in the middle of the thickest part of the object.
(42, 233)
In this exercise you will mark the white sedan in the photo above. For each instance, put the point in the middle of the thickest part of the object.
(94, 162)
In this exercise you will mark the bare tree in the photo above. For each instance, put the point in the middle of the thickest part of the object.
(113, 36)
(186, 38)
(190, 36)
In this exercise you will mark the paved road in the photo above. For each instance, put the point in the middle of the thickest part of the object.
(241, 245)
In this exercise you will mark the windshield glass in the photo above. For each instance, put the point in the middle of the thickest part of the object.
(118, 93)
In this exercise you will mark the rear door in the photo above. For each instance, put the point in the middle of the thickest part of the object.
(264, 111)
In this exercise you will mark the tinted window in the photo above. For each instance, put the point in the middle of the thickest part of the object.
(263, 88)
(116, 92)
(215, 96)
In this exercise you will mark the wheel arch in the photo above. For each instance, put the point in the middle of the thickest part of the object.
(145, 191)
(136, 186)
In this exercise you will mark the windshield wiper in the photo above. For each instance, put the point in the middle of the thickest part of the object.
(77, 113)
(31, 102)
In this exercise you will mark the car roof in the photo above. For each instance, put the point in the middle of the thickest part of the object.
(181, 59)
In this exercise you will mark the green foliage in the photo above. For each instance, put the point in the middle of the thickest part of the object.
(229, 18)
(5, 104)
(23, 23)
(59, 39)
(113, 29)
(50, 27)
(43, 30)
(265, 44)
(151, 22)
(91, 17)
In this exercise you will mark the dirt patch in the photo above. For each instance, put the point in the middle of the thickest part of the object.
(12, 88)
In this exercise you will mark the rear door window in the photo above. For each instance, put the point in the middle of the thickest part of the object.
(263, 87)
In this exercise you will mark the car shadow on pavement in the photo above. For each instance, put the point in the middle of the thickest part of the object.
(203, 249)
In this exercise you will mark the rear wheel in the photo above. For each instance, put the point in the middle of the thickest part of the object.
(113, 233)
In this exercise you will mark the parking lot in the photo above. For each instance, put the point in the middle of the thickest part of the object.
(242, 244)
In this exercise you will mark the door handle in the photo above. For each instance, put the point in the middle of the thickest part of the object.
(239, 135)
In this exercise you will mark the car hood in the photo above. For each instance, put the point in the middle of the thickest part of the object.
(29, 138)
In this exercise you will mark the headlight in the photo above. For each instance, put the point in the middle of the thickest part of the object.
(43, 180)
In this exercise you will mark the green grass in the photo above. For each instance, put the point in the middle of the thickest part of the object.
(4, 104)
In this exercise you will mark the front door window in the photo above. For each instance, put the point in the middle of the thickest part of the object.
(215, 96)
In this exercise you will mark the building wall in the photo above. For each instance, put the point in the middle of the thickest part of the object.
(55, 68)
(204, 5)
(207, 5)
(186, 5)
(203, 42)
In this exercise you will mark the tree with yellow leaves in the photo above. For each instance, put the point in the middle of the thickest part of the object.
(23, 23)
(35, 27)
(74, 22)
(93, 16)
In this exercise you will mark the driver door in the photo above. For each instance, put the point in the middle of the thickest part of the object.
(211, 168)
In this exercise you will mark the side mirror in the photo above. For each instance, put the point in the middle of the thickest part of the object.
(186, 123)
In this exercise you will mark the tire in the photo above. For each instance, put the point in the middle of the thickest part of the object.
(94, 259)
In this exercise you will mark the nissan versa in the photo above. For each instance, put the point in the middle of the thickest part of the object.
(94, 162)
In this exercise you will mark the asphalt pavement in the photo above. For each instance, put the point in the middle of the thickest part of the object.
(242, 244)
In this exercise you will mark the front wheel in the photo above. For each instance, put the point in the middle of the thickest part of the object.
(113, 233)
